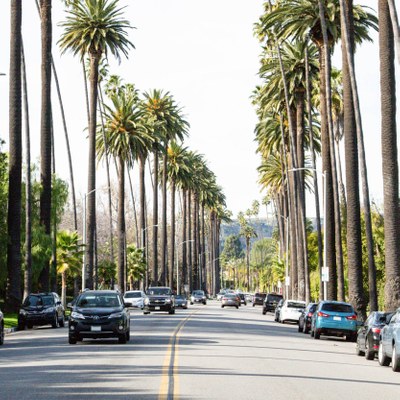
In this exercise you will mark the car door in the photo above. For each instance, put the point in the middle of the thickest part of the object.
(387, 334)
(362, 332)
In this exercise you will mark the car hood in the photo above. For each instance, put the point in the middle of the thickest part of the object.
(158, 297)
(37, 308)
(98, 310)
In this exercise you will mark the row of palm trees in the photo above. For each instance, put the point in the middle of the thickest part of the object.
(305, 107)
(128, 128)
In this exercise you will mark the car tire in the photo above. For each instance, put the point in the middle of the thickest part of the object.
(237, 307)
(395, 360)
(54, 324)
(62, 322)
(254, 305)
(300, 329)
(222, 306)
(171, 311)
(264, 312)
(21, 326)
(383, 359)
(146, 312)
(317, 334)
(359, 352)
(122, 338)
(72, 340)
(128, 335)
(1, 334)
(29, 326)
(369, 354)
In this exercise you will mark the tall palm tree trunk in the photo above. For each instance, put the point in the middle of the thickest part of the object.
(172, 248)
(135, 218)
(195, 265)
(45, 132)
(190, 238)
(395, 25)
(164, 240)
(184, 238)
(390, 168)
(155, 218)
(121, 225)
(203, 249)
(13, 288)
(91, 188)
(142, 190)
(28, 183)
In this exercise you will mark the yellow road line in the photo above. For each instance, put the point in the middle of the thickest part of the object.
(169, 388)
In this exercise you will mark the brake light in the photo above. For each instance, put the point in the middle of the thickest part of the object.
(376, 330)
(321, 314)
(352, 317)
(309, 314)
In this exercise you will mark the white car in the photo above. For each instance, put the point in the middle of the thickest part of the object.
(135, 298)
(291, 310)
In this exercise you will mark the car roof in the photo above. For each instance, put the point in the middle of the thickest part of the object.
(101, 291)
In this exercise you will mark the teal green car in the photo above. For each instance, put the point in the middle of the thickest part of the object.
(334, 318)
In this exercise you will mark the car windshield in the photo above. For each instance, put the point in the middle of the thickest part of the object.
(293, 304)
(34, 301)
(103, 300)
(131, 295)
(180, 297)
(383, 318)
(198, 293)
(343, 308)
(159, 291)
(273, 297)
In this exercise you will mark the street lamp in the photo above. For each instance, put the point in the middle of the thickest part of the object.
(325, 269)
(177, 262)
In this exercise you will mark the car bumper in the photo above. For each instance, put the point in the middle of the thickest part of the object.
(36, 319)
(113, 328)
(158, 307)
(230, 304)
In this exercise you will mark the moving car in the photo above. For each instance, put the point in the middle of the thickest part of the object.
(230, 300)
(220, 295)
(305, 317)
(99, 314)
(291, 310)
(1, 328)
(278, 310)
(270, 302)
(41, 309)
(181, 301)
(368, 334)
(159, 298)
(135, 298)
(198, 296)
(389, 344)
(258, 299)
(334, 318)
(242, 298)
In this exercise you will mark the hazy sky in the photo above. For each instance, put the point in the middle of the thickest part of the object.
(202, 52)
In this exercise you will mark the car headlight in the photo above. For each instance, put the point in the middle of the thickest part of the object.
(115, 315)
(50, 310)
(77, 315)
(146, 301)
(167, 301)
(22, 312)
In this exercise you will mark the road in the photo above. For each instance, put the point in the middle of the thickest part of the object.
(204, 352)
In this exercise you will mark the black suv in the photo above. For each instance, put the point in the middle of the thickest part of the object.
(99, 314)
(159, 298)
(41, 309)
(258, 299)
(270, 302)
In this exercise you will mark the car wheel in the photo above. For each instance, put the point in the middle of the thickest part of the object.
(264, 312)
(128, 335)
(29, 326)
(71, 340)
(311, 333)
(146, 312)
(222, 306)
(21, 326)
(62, 322)
(317, 334)
(383, 359)
(254, 305)
(54, 324)
(395, 360)
(369, 354)
(171, 311)
(237, 307)
(359, 352)
(122, 338)
(1, 335)
(300, 328)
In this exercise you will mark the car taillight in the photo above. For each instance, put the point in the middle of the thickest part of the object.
(309, 314)
(376, 330)
(352, 317)
(321, 314)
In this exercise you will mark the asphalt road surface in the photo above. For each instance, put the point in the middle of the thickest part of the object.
(204, 352)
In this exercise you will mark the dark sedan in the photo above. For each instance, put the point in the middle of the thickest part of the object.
(258, 299)
(305, 317)
(368, 334)
(181, 301)
(99, 314)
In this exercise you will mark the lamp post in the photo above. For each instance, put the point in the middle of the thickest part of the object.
(177, 262)
(325, 269)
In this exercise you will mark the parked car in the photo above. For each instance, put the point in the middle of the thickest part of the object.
(258, 299)
(220, 295)
(230, 300)
(198, 296)
(41, 309)
(99, 314)
(270, 302)
(242, 298)
(334, 318)
(389, 343)
(291, 310)
(1, 328)
(159, 298)
(135, 298)
(368, 334)
(181, 301)
(305, 317)
(278, 310)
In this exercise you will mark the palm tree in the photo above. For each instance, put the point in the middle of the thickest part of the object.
(390, 168)
(13, 294)
(94, 27)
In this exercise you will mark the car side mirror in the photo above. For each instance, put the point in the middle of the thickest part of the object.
(58, 303)
(69, 306)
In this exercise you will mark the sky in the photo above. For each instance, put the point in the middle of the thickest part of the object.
(203, 53)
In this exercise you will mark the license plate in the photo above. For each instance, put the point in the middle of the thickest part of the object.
(95, 328)
(156, 308)
(337, 318)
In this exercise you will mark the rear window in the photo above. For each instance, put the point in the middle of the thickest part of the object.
(293, 304)
(274, 297)
(132, 295)
(343, 308)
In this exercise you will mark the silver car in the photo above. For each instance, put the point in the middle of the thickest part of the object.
(389, 343)
(135, 298)
(230, 299)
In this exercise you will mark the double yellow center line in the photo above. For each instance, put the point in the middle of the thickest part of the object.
(169, 388)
